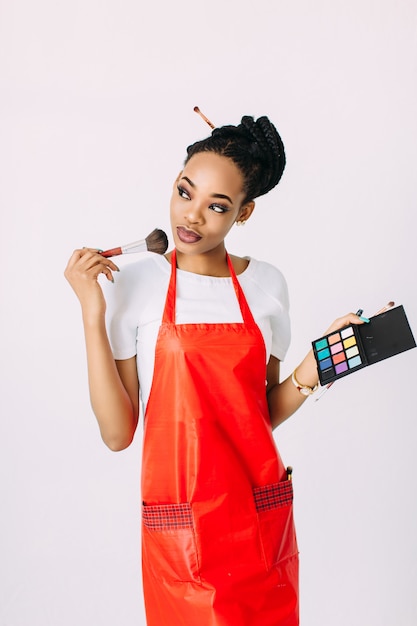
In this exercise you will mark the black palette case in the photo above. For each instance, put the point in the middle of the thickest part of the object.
(356, 346)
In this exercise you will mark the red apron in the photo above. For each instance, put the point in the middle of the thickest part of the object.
(218, 543)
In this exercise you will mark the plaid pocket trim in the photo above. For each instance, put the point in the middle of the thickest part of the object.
(167, 516)
(273, 496)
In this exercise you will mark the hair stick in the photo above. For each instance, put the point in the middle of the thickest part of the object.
(197, 110)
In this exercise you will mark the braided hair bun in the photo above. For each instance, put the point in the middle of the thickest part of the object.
(254, 146)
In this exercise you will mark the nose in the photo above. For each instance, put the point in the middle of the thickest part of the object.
(193, 213)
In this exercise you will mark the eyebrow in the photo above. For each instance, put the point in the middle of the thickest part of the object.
(213, 195)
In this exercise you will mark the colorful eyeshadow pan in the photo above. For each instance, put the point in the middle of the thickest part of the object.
(342, 367)
(333, 338)
(355, 362)
(325, 364)
(327, 375)
(346, 332)
(339, 354)
(348, 343)
(323, 354)
(350, 352)
(338, 358)
(321, 344)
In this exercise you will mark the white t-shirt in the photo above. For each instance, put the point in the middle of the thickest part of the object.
(135, 304)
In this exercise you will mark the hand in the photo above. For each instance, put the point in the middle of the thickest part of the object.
(82, 272)
(340, 322)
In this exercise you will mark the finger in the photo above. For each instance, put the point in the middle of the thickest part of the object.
(92, 249)
(346, 320)
(78, 254)
(102, 269)
(354, 318)
(86, 266)
(91, 257)
(75, 257)
(94, 269)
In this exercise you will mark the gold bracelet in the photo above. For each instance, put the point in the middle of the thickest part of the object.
(304, 389)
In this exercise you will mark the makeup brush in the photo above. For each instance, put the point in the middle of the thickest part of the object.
(156, 241)
(385, 308)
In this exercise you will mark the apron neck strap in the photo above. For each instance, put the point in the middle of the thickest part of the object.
(169, 310)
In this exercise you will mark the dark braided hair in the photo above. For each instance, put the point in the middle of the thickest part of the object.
(256, 149)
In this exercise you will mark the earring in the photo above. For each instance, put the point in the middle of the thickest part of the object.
(241, 223)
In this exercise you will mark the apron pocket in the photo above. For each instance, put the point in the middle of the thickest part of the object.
(169, 546)
(275, 520)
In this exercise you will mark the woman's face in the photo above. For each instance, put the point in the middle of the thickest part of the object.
(206, 201)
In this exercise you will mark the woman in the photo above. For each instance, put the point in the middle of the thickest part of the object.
(204, 332)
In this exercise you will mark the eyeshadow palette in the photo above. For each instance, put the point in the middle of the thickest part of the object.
(355, 346)
(338, 354)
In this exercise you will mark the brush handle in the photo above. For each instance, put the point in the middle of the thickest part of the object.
(112, 252)
(129, 248)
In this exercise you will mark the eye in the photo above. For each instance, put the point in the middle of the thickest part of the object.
(219, 208)
(183, 193)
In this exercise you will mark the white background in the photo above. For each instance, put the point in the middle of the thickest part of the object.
(96, 109)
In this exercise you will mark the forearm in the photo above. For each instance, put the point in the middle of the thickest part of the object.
(116, 413)
(114, 395)
(284, 398)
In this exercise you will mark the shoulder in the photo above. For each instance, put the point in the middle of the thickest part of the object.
(266, 278)
(144, 270)
(138, 278)
(248, 267)
(265, 269)
(266, 288)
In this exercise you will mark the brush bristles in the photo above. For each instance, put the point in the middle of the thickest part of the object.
(157, 241)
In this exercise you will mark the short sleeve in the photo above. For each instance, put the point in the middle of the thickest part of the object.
(120, 322)
(135, 303)
(266, 290)
(280, 323)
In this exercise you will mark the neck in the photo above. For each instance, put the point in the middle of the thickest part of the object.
(212, 263)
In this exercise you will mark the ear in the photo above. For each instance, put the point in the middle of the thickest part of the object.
(245, 211)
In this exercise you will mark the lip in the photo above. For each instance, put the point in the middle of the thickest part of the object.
(187, 236)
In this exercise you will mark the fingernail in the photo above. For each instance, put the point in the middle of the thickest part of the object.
(100, 250)
(364, 319)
